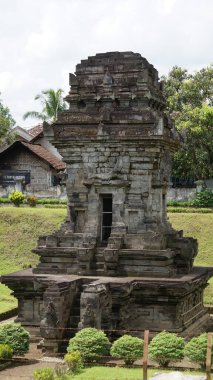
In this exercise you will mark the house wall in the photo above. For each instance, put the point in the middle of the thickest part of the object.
(40, 172)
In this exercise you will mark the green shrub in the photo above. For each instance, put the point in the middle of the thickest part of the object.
(55, 206)
(91, 343)
(165, 347)
(5, 200)
(189, 210)
(44, 374)
(196, 349)
(17, 198)
(179, 204)
(15, 336)
(74, 361)
(128, 347)
(46, 201)
(6, 352)
(203, 199)
(32, 200)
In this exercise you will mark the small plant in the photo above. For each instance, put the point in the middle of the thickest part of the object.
(196, 349)
(15, 336)
(129, 348)
(5, 200)
(44, 374)
(203, 199)
(91, 343)
(17, 198)
(166, 347)
(74, 361)
(61, 370)
(6, 352)
(32, 201)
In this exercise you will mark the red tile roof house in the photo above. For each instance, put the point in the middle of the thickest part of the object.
(31, 166)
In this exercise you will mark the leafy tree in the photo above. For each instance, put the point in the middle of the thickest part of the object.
(189, 100)
(52, 103)
(6, 124)
(195, 157)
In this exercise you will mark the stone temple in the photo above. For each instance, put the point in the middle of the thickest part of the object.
(116, 263)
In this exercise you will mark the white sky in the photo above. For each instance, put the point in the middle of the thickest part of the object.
(42, 40)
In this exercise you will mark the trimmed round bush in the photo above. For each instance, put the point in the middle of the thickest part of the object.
(15, 336)
(6, 352)
(196, 349)
(43, 374)
(166, 347)
(91, 343)
(17, 198)
(128, 347)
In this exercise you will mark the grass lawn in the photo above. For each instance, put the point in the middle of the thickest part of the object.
(115, 373)
(19, 231)
(199, 226)
(21, 227)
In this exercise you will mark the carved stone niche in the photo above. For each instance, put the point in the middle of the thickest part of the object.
(116, 262)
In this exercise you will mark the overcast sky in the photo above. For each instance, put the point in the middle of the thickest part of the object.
(42, 40)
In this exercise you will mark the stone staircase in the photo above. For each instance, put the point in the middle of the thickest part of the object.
(97, 268)
(73, 321)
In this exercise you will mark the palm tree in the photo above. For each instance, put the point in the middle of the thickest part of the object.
(52, 102)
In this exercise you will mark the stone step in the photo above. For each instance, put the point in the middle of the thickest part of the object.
(100, 264)
(100, 250)
(56, 251)
(163, 254)
(100, 272)
(99, 258)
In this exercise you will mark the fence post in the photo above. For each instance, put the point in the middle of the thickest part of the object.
(145, 353)
(209, 357)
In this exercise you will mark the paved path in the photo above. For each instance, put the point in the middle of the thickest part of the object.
(23, 372)
(176, 376)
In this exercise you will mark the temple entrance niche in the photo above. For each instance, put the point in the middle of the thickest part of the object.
(106, 217)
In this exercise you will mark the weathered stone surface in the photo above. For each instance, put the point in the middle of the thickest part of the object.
(116, 263)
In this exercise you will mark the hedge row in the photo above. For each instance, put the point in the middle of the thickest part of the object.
(201, 199)
(189, 210)
(164, 347)
(41, 201)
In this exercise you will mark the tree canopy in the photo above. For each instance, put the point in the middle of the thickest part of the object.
(6, 124)
(52, 103)
(189, 100)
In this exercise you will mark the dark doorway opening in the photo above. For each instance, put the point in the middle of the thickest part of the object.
(106, 224)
